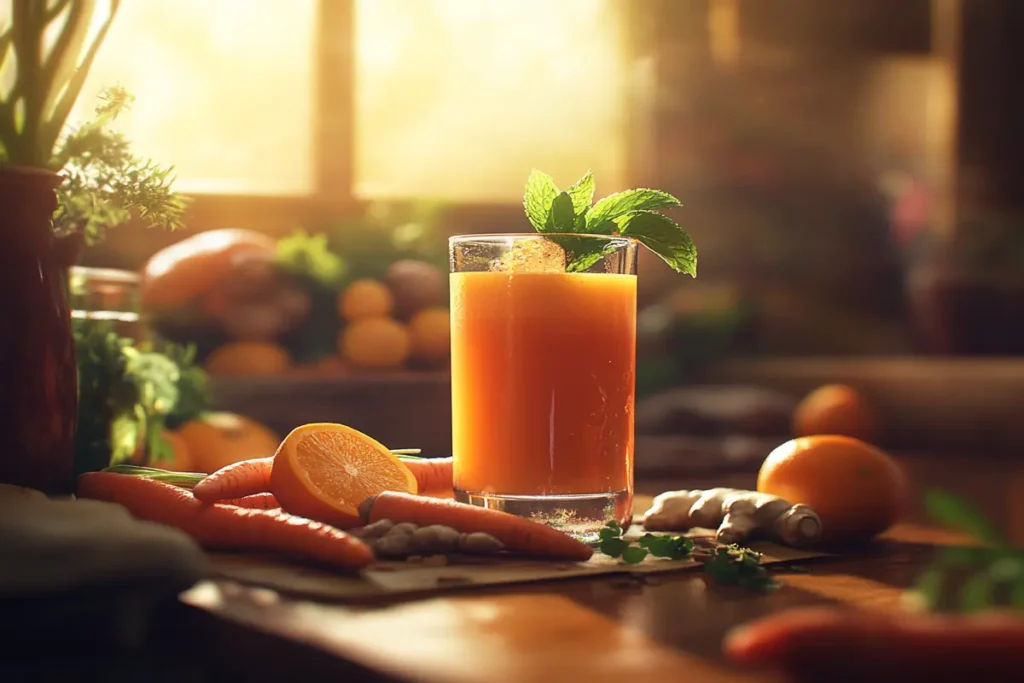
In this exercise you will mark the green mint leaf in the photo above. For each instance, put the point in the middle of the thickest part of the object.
(606, 533)
(537, 199)
(649, 541)
(563, 218)
(613, 547)
(582, 252)
(614, 526)
(660, 234)
(582, 193)
(953, 512)
(601, 215)
(634, 555)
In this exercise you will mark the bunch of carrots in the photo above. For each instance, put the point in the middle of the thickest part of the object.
(238, 509)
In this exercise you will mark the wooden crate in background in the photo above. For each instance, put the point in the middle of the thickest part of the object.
(401, 410)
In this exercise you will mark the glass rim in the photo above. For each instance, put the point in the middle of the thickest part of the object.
(496, 237)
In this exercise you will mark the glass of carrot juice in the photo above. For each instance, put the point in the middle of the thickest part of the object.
(543, 365)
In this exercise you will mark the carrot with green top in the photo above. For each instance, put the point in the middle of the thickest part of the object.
(227, 527)
(516, 533)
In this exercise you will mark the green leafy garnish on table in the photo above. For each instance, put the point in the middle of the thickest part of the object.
(631, 213)
(728, 565)
(612, 544)
(969, 579)
(733, 565)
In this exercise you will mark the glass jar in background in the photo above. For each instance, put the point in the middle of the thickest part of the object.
(107, 294)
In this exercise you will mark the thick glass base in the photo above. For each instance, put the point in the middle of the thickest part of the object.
(581, 515)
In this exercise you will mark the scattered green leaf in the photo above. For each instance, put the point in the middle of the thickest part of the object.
(613, 547)
(634, 554)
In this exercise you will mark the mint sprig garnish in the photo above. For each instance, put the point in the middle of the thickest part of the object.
(631, 213)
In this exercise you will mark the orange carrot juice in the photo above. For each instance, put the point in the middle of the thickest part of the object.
(543, 373)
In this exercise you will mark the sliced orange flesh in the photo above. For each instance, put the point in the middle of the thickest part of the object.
(324, 471)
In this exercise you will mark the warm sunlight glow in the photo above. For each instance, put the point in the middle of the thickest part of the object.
(223, 90)
(459, 99)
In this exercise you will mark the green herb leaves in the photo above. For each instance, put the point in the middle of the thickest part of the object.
(733, 565)
(632, 213)
(727, 565)
(969, 579)
(669, 547)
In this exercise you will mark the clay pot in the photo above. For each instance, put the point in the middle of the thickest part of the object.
(38, 375)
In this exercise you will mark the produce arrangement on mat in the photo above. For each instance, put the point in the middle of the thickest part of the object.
(258, 306)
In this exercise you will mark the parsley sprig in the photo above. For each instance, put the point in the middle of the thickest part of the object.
(631, 213)
(727, 565)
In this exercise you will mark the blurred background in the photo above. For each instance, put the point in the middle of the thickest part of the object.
(850, 171)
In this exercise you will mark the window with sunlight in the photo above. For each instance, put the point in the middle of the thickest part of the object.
(454, 99)
(459, 99)
(223, 90)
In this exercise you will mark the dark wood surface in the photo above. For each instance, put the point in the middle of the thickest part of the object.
(610, 629)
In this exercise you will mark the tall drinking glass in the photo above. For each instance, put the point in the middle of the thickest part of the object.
(543, 366)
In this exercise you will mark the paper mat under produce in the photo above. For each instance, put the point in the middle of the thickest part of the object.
(394, 579)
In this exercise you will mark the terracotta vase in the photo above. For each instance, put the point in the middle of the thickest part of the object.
(38, 375)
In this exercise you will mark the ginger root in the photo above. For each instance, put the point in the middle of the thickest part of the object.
(736, 514)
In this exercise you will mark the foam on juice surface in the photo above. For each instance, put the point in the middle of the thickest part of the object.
(531, 256)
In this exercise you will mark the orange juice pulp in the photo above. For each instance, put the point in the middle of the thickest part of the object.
(543, 375)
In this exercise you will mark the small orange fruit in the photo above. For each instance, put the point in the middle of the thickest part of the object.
(181, 456)
(248, 358)
(375, 343)
(216, 440)
(324, 471)
(857, 490)
(430, 332)
(365, 299)
(836, 409)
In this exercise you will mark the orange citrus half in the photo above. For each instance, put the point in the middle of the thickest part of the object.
(323, 471)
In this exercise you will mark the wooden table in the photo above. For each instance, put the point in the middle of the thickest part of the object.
(593, 630)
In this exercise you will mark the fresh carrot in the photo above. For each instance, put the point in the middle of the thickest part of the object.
(821, 643)
(516, 533)
(244, 478)
(226, 527)
(258, 501)
(433, 475)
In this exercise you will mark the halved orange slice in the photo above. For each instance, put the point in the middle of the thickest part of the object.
(323, 471)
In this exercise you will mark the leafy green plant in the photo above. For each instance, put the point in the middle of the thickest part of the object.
(968, 579)
(106, 184)
(631, 213)
(46, 52)
(127, 393)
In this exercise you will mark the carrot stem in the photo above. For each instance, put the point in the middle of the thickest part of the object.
(185, 480)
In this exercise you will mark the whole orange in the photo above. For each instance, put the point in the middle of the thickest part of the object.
(857, 490)
(181, 456)
(216, 440)
(244, 359)
(836, 409)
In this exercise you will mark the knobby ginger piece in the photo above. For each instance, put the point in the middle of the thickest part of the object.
(737, 515)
